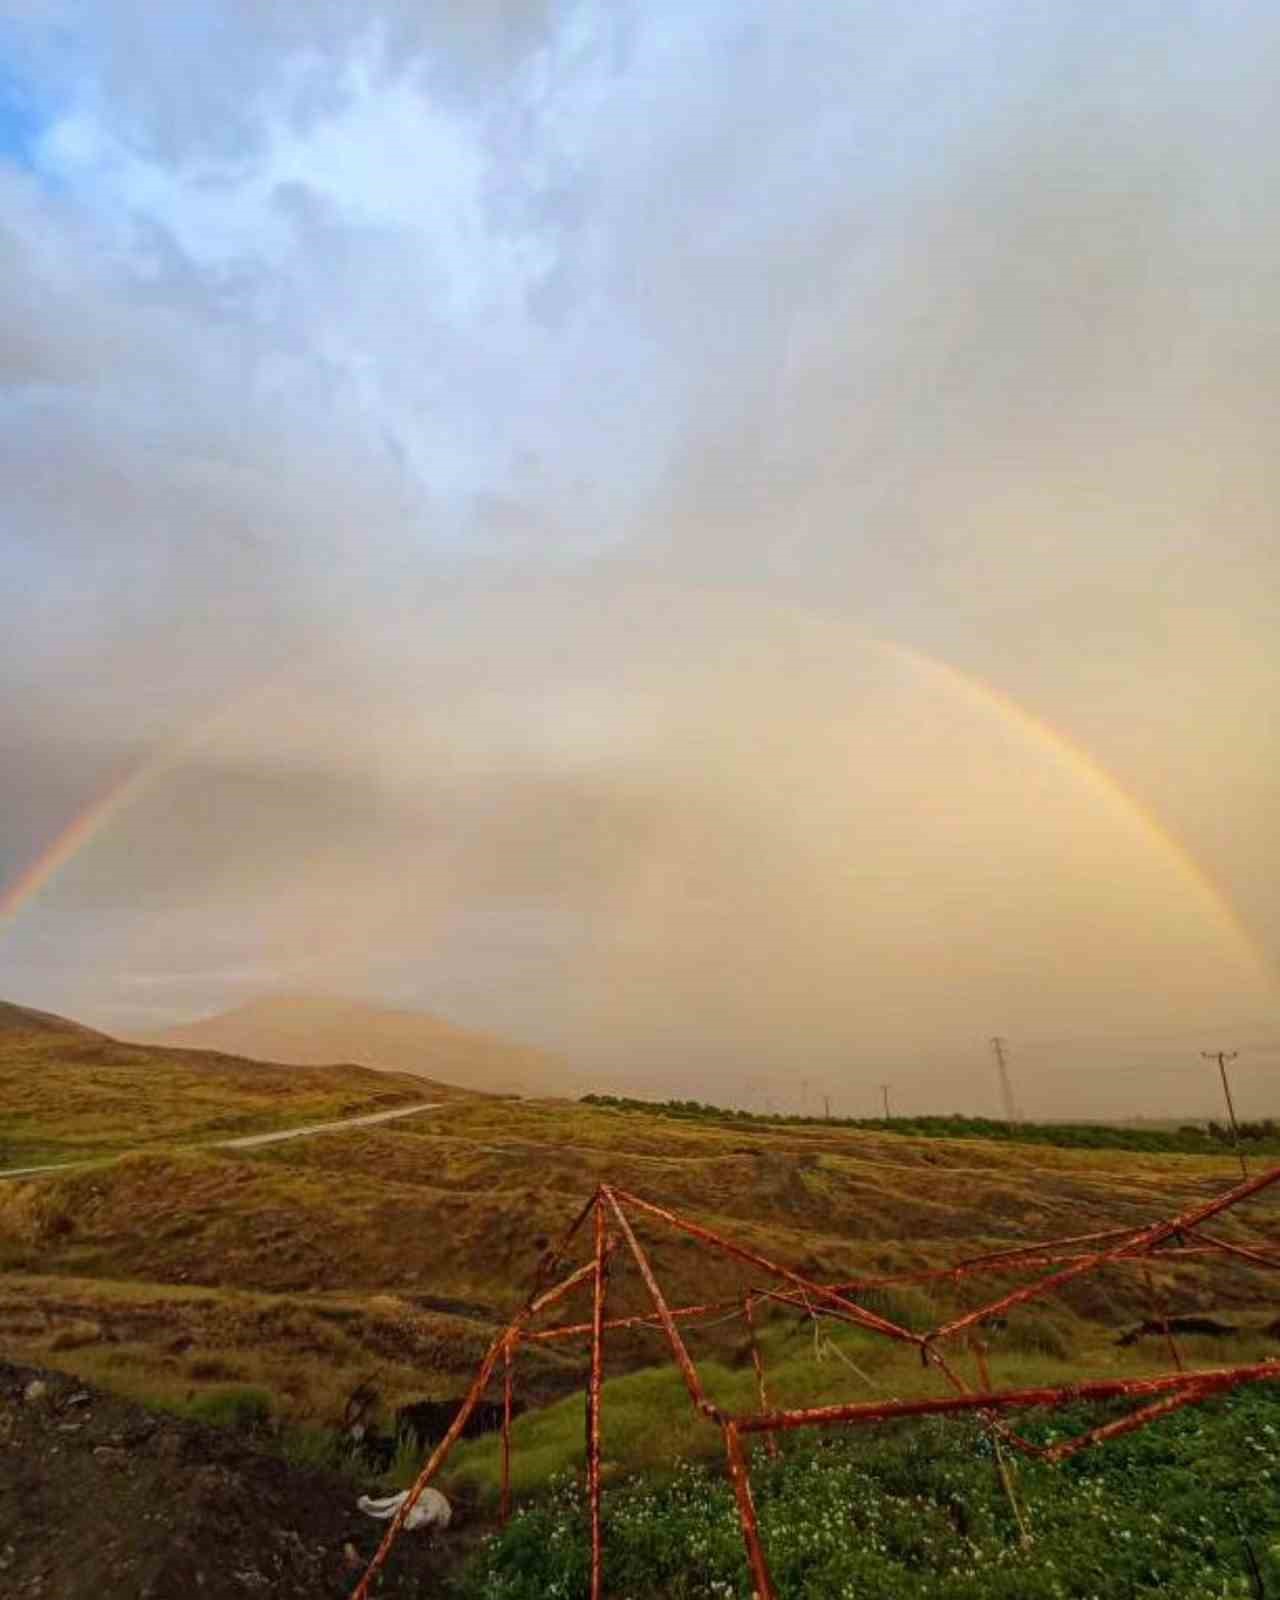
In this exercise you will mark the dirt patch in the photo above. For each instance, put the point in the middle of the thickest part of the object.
(103, 1500)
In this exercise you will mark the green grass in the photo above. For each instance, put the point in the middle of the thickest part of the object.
(1180, 1510)
(242, 1406)
(648, 1421)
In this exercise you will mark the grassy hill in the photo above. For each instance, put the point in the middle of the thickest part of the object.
(184, 1274)
(400, 1249)
(68, 1093)
(310, 1030)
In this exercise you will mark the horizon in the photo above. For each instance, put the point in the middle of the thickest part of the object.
(791, 1095)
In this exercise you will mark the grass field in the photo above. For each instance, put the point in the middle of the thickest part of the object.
(394, 1253)
(67, 1093)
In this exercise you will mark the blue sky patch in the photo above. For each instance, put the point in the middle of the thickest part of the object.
(22, 120)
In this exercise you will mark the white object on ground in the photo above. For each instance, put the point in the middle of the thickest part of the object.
(431, 1511)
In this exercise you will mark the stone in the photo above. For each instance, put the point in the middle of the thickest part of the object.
(35, 1391)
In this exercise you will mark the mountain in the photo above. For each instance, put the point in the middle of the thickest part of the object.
(311, 1030)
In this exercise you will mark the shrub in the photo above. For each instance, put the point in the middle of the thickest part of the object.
(245, 1407)
(1036, 1334)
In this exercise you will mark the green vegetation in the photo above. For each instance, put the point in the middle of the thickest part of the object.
(1191, 1139)
(1185, 1510)
(648, 1422)
(241, 1406)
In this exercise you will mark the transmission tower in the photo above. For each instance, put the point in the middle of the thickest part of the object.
(1000, 1049)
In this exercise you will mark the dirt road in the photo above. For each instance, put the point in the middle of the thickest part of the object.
(253, 1140)
(250, 1141)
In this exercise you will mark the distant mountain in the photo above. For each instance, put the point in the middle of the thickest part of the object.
(310, 1030)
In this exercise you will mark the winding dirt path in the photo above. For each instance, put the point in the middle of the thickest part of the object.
(251, 1141)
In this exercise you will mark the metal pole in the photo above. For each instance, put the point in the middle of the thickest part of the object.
(593, 1403)
(748, 1310)
(508, 1355)
(1222, 1057)
(761, 1579)
(1162, 1315)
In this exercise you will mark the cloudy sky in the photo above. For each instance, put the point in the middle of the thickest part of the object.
(740, 546)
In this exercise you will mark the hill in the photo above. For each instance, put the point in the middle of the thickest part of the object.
(68, 1093)
(312, 1030)
(399, 1250)
(23, 1022)
(392, 1254)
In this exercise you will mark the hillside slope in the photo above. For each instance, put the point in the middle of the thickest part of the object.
(67, 1093)
(150, 1506)
(18, 1022)
(311, 1030)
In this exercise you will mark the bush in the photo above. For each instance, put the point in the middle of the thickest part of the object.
(245, 1407)
(1033, 1333)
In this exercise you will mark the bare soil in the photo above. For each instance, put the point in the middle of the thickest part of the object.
(101, 1499)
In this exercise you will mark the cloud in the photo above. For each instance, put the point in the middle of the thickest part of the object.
(509, 380)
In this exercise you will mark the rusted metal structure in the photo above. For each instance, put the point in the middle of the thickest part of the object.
(614, 1212)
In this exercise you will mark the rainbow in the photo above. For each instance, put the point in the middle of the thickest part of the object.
(117, 797)
(1098, 781)
(108, 804)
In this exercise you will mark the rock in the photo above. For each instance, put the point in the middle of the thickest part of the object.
(35, 1391)
(80, 1398)
(109, 1455)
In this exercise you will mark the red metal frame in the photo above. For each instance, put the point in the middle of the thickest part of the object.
(610, 1208)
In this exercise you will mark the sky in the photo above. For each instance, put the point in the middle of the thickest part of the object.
(738, 546)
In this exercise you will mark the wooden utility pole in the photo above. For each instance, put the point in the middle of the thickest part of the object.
(1222, 1057)
(884, 1090)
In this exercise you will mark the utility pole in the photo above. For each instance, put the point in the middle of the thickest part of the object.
(1222, 1057)
(884, 1090)
(1000, 1049)
(826, 1101)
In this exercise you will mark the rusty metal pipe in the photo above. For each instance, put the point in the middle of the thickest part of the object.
(761, 1578)
(481, 1381)
(1211, 1381)
(1140, 1243)
(856, 1313)
(508, 1359)
(594, 1389)
(689, 1372)
(748, 1311)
